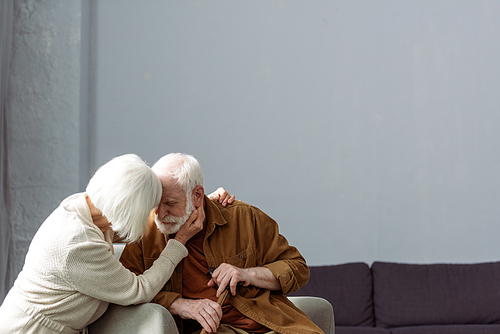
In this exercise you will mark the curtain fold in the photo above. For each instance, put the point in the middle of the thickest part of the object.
(6, 244)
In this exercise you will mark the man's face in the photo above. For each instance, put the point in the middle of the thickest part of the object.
(174, 208)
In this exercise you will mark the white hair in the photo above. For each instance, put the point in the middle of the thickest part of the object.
(125, 190)
(184, 168)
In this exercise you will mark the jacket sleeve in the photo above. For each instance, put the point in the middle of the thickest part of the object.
(165, 298)
(274, 252)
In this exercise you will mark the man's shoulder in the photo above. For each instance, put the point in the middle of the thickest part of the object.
(237, 204)
(242, 211)
(232, 212)
(238, 207)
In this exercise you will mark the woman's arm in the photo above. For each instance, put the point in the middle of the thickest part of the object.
(92, 269)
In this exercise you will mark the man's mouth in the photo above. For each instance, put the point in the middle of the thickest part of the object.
(169, 223)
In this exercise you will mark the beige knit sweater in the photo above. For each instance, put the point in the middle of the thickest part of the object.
(70, 273)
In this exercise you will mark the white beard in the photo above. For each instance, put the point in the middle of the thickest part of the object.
(172, 224)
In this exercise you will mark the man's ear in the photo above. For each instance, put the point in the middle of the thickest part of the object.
(198, 196)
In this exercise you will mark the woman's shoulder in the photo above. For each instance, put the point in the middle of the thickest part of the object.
(71, 224)
(75, 202)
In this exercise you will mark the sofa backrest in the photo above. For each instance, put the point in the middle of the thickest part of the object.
(348, 287)
(436, 294)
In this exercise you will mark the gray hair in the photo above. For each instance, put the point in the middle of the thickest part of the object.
(125, 190)
(184, 168)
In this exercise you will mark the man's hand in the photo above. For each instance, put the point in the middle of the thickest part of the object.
(207, 312)
(227, 274)
(222, 196)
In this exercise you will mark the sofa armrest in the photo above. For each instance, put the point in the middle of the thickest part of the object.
(144, 318)
(118, 249)
(154, 318)
(319, 310)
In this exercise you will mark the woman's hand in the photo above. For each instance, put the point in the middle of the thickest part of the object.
(222, 196)
(193, 225)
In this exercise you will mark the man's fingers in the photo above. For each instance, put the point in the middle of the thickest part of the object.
(220, 290)
(224, 280)
(208, 314)
(213, 316)
(208, 322)
(227, 274)
(234, 285)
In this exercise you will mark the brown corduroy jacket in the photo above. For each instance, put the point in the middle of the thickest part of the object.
(244, 236)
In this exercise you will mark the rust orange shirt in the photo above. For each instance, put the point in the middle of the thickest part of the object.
(194, 286)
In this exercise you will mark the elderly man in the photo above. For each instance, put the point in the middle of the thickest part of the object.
(251, 258)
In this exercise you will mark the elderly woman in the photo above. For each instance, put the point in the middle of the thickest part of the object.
(70, 273)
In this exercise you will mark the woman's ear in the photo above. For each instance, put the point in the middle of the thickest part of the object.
(198, 196)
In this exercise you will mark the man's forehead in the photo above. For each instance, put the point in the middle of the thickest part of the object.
(170, 187)
(172, 192)
(172, 197)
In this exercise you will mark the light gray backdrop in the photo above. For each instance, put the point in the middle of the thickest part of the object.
(368, 129)
(42, 139)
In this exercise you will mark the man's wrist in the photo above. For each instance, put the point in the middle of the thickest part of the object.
(174, 307)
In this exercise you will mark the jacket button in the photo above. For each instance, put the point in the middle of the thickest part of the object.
(241, 256)
(178, 270)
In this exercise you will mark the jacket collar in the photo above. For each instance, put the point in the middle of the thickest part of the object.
(213, 215)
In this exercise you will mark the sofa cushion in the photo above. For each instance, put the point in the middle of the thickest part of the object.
(436, 294)
(361, 330)
(447, 329)
(348, 287)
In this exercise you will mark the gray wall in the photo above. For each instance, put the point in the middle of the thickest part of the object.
(367, 129)
(43, 114)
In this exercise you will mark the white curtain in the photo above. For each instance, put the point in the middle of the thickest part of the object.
(6, 249)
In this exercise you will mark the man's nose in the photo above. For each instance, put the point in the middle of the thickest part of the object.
(162, 213)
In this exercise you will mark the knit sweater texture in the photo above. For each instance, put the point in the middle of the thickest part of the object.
(70, 274)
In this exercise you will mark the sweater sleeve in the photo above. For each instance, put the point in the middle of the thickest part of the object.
(133, 259)
(92, 269)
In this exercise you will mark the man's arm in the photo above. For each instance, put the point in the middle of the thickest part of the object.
(281, 266)
(227, 274)
(284, 261)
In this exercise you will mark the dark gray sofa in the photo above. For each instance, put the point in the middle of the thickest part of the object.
(403, 298)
